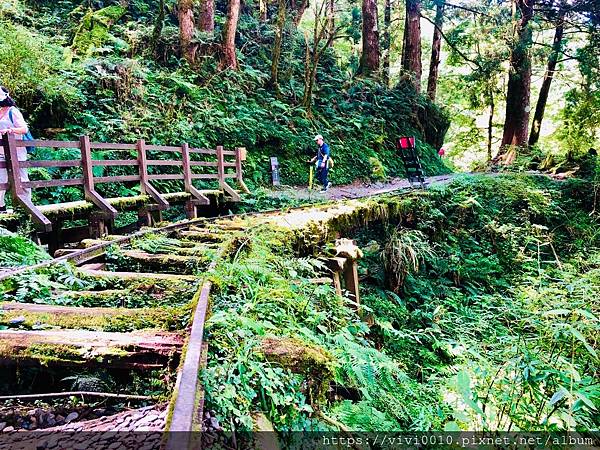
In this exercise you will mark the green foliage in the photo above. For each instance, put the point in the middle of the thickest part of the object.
(93, 31)
(19, 251)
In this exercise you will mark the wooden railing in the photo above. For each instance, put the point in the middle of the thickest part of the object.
(183, 166)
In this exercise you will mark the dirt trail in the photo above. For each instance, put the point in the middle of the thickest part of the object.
(351, 191)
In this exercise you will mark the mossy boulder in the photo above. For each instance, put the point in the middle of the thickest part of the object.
(93, 31)
(314, 362)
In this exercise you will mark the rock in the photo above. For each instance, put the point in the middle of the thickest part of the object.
(41, 445)
(71, 417)
(51, 421)
(7, 429)
(60, 420)
(2, 425)
(17, 320)
(214, 423)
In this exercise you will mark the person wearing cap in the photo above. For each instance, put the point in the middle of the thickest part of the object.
(11, 121)
(321, 159)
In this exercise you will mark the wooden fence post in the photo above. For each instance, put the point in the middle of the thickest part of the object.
(221, 174)
(97, 226)
(197, 197)
(220, 165)
(145, 186)
(238, 170)
(13, 170)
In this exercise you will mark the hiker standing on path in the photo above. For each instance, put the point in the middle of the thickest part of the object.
(11, 121)
(323, 159)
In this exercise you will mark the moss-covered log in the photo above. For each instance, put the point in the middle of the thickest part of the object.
(186, 265)
(141, 350)
(96, 319)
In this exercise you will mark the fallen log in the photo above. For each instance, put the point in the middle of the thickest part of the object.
(136, 350)
(139, 276)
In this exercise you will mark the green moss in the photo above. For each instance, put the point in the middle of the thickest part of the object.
(314, 362)
(93, 31)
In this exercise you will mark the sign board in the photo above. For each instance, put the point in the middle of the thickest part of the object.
(275, 170)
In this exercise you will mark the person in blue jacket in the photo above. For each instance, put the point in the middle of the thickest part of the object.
(322, 157)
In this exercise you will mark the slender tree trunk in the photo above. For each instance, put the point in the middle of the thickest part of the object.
(158, 26)
(186, 29)
(548, 77)
(490, 125)
(262, 10)
(411, 55)
(518, 92)
(228, 59)
(281, 13)
(369, 61)
(435, 50)
(207, 16)
(387, 41)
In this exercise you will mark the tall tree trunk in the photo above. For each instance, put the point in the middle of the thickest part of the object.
(518, 92)
(298, 7)
(207, 16)
(330, 18)
(435, 50)
(411, 54)
(387, 40)
(548, 77)
(281, 13)
(158, 26)
(185, 13)
(369, 60)
(228, 59)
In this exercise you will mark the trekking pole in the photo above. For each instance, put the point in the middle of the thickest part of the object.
(310, 178)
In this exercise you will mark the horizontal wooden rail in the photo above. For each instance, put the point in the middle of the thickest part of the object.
(51, 163)
(115, 162)
(46, 144)
(184, 161)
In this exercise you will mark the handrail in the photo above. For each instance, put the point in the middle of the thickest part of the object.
(183, 159)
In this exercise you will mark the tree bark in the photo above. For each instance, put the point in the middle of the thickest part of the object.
(411, 54)
(185, 14)
(263, 10)
(518, 92)
(158, 26)
(435, 50)
(298, 7)
(228, 59)
(369, 60)
(387, 41)
(490, 126)
(548, 77)
(207, 16)
(281, 13)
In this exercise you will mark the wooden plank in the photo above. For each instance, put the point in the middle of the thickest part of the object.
(167, 176)
(203, 151)
(230, 175)
(205, 176)
(53, 183)
(52, 163)
(229, 164)
(125, 350)
(48, 144)
(228, 152)
(117, 179)
(112, 146)
(204, 163)
(162, 162)
(163, 148)
(114, 162)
